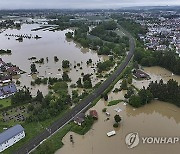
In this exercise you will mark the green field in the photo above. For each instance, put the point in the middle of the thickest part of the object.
(5, 103)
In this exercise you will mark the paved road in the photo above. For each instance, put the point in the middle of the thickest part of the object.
(32, 144)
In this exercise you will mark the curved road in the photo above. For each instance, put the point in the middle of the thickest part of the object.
(83, 105)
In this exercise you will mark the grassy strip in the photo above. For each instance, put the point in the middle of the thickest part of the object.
(95, 102)
(114, 102)
(54, 143)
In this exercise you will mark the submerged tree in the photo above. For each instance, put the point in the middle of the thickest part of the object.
(65, 64)
(117, 118)
(33, 68)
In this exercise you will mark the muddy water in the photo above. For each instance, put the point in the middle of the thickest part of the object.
(156, 73)
(51, 44)
(155, 119)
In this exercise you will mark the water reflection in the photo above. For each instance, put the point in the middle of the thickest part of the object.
(164, 109)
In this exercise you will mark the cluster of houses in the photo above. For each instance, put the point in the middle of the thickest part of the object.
(7, 71)
(163, 34)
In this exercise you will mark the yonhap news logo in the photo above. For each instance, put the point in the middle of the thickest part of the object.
(133, 139)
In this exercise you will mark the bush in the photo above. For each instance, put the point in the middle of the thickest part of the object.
(116, 125)
(18, 82)
(104, 110)
(114, 102)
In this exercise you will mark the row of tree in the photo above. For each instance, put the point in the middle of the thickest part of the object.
(169, 92)
(166, 59)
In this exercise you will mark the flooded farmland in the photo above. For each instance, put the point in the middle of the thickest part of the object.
(51, 44)
(155, 119)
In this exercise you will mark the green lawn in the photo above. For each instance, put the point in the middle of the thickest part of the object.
(114, 102)
(5, 103)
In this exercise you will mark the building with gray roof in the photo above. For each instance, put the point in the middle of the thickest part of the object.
(11, 136)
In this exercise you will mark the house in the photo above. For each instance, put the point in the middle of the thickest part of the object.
(138, 74)
(11, 136)
(5, 78)
(94, 114)
(8, 90)
(79, 119)
(14, 70)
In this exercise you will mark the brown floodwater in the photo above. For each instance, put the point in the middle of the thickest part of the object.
(155, 119)
(51, 44)
(156, 73)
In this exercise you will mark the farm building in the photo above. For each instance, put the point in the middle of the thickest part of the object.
(11, 136)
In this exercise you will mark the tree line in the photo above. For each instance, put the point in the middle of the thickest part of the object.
(168, 92)
(166, 59)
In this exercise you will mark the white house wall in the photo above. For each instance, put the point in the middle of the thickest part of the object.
(12, 141)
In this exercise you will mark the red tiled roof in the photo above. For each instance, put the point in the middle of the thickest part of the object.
(93, 113)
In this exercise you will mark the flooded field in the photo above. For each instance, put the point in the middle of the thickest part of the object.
(156, 73)
(155, 119)
(51, 44)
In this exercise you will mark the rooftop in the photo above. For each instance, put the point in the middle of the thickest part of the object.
(11, 132)
(9, 89)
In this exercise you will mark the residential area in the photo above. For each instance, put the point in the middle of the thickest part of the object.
(7, 86)
(163, 30)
